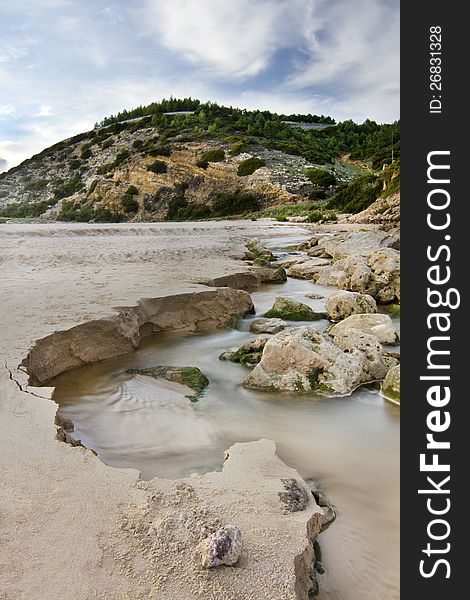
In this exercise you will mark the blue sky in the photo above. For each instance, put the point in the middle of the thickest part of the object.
(65, 64)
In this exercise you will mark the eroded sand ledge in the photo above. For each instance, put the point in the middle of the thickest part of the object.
(65, 512)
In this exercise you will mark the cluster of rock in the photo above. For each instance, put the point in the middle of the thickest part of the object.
(304, 359)
(366, 262)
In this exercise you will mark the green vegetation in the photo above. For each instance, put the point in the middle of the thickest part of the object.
(321, 177)
(202, 164)
(357, 195)
(239, 146)
(158, 166)
(193, 211)
(26, 209)
(107, 144)
(158, 150)
(75, 164)
(85, 211)
(321, 215)
(36, 185)
(224, 205)
(216, 155)
(249, 166)
(129, 204)
(86, 152)
(234, 204)
(132, 191)
(67, 188)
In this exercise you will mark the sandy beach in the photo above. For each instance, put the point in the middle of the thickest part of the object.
(62, 509)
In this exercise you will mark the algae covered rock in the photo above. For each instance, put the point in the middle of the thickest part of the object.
(302, 359)
(224, 547)
(343, 304)
(258, 251)
(391, 385)
(378, 325)
(291, 310)
(270, 274)
(191, 377)
(248, 354)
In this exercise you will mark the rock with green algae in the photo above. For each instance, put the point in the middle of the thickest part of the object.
(391, 385)
(191, 377)
(258, 251)
(248, 354)
(342, 304)
(291, 310)
(303, 360)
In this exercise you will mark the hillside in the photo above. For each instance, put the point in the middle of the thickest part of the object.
(180, 160)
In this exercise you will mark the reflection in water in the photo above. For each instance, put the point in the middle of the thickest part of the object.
(350, 444)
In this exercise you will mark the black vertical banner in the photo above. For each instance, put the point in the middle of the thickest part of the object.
(435, 246)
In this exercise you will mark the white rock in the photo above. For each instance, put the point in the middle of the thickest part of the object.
(378, 325)
(224, 547)
(302, 359)
(267, 325)
(342, 304)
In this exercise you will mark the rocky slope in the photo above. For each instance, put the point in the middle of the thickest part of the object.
(98, 169)
(206, 161)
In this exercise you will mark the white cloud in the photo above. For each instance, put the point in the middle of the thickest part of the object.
(231, 38)
(6, 110)
(44, 111)
(358, 55)
(3, 165)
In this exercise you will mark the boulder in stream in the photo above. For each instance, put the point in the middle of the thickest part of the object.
(391, 385)
(267, 325)
(302, 359)
(343, 304)
(378, 325)
(291, 310)
(306, 269)
(248, 354)
(378, 275)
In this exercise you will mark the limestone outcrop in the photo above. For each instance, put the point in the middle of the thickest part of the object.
(302, 359)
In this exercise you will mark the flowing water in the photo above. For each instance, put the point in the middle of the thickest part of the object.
(350, 444)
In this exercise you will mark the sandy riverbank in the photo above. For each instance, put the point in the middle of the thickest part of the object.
(63, 527)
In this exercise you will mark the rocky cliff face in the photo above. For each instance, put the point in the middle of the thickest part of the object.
(96, 169)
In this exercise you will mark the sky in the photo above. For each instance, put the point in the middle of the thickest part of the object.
(65, 64)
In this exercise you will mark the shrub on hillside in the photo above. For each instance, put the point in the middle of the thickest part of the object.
(321, 177)
(215, 155)
(249, 166)
(75, 184)
(234, 204)
(129, 204)
(174, 206)
(194, 211)
(158, 150)
(357, 195)
(158, 166)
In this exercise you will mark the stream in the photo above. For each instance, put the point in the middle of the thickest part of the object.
(350, 445)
